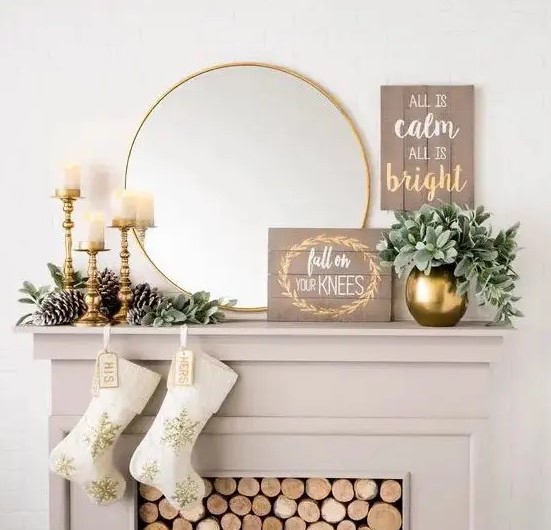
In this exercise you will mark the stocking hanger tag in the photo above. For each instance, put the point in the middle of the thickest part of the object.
(106, 373)
(183, 368)
(183, 363)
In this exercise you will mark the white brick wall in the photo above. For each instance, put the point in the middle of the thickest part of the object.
(77, 77)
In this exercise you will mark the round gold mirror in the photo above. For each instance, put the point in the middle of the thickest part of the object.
(233, 150)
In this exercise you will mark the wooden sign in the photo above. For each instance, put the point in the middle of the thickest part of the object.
(427, 146)
(327, 275)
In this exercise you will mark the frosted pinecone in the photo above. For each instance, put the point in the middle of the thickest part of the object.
(145, 296)
(109, 290)
(135, 316)
(60, 307)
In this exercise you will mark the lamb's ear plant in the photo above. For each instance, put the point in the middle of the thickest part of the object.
(197, 308)
(35, 295)
(462, 238)
(57, 276)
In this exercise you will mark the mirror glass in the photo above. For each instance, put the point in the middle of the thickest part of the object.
(232, 151)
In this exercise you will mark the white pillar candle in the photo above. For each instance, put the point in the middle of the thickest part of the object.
(145, 209)
(124, 205)
(95, 229)
(70, 179)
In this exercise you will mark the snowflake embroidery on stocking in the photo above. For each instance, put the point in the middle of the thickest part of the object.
(179, 431)
(186, 492)
(103, 491)
(101, 436)
(65, 466)
(149, 472)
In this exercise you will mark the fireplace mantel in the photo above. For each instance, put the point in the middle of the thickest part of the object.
(466, 343)
(386, 400)
(406, 328)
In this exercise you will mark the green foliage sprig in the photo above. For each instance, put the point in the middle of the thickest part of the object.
(450, 235)
(197, 308)
(35, 295)
(57, 275)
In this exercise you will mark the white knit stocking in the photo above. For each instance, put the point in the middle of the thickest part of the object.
(163, 458)
(86, 454)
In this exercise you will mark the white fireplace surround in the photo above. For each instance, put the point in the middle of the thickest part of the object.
(383, 400)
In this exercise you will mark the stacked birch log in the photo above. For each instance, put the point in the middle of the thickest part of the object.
(280, 504)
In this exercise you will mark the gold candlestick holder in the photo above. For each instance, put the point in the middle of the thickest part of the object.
(125, 292)
(68, 196)
(93, 316)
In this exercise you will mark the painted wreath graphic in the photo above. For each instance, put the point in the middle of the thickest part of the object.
(334, 312)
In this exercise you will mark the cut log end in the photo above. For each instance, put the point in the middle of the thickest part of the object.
(271, 487)
(272, 523)
(248, 486)
(391, 491)
(208, 524)
(148, 512)
(357, 510)
(293, 488)
(320, 525)
(166, 510)
(333, 511)
(208, 487)
(240, 505)
(149, 493)
(296, 523)
(252, 522)
(347, 524)
(318, 488)
(285, 507)
(181, 524)
(309, 510)
(261, 506)
(225, 485)
(193, 514)
(343, 490)
(383, 516)
(365, 489)
(216, 504)
(156, 526)
(230, 521)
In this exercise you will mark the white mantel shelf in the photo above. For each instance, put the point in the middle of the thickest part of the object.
(262, 328)
(261, 341)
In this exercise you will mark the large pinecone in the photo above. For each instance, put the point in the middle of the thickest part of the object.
(135, 316)
(109, 290)
(145, 296)
(60, 307)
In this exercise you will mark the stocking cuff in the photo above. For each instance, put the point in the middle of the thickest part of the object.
(216, 380)
(136, 385)
(212, 382)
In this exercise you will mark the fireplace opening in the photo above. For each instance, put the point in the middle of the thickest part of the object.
(281, 503)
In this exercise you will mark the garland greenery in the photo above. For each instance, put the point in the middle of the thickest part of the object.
(195, 308)
(160, 311)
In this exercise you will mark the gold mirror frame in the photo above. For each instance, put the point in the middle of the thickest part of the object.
(338, 105)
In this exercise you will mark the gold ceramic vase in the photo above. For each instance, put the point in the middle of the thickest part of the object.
(432, 299)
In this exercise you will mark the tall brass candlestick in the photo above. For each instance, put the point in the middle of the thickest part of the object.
(93, 316)
(68, 197)
(125, 292)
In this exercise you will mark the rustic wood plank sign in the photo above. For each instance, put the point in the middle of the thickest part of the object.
(427, 146)
(327, 275)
